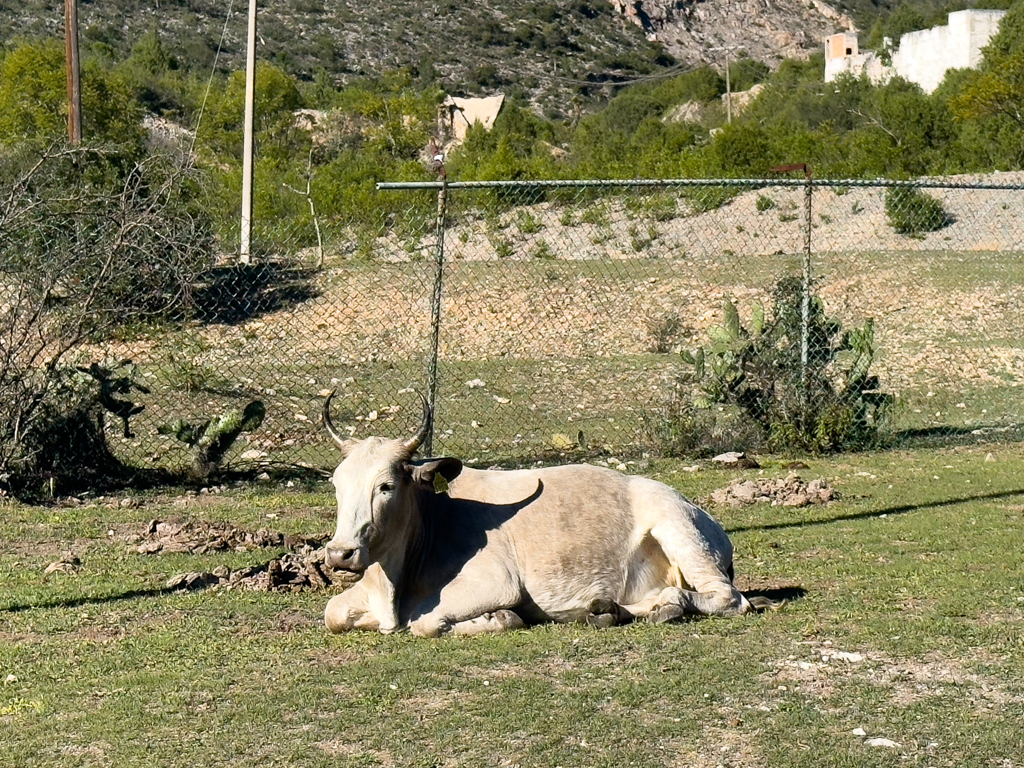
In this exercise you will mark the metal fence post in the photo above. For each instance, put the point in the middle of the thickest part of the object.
(805, 304)
(435, 313)
(805, 287)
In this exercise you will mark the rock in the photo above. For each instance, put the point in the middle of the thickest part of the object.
(735, 460)
(878, 742)
(797, 500)
(859, 732)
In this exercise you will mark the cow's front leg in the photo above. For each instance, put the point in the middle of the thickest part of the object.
(367, 604)
(349, 610)
(479, 600)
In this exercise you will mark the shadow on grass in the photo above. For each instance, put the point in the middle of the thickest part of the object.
(780, 595)
(885, 511)
(77, 602)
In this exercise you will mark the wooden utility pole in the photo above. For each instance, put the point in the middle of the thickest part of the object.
(74, 71)
(245, 255)
(728, 85)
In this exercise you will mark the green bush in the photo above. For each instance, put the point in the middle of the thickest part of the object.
(911, 211)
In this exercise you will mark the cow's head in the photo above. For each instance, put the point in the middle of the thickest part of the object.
(376, 484)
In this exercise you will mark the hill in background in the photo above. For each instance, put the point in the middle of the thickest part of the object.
(546, 53)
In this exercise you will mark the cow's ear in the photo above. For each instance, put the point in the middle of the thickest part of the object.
(433, 471)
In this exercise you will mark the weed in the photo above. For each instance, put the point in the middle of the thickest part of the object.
(503, 247)
(597, 215)
(542, 250)
(664, 331)
(764, 203)
(528, 224)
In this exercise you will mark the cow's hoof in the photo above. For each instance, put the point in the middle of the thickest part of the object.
(509, 620)
(602, 620)
(603, 614)
(666, 613)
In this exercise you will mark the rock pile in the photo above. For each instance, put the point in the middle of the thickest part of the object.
(790, 491)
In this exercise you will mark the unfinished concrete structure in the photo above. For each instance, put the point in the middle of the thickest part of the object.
(922, 57)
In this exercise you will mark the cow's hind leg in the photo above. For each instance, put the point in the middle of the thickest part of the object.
(675, 603)
(704, 559)
(489, 624)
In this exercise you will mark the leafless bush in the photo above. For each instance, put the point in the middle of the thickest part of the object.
(89, 240)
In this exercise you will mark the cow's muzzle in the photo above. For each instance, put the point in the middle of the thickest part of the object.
(343, 558)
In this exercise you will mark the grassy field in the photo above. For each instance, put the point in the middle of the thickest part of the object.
(911, 629)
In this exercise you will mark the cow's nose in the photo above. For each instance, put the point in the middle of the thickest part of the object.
(344, 559)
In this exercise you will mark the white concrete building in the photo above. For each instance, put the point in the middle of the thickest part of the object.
(922, 57)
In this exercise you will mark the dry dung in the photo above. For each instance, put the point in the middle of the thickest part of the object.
(292, 572)
(198, 538)
(302, 568)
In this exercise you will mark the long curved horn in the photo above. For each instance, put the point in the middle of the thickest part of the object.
(413, 443)
(344, 443)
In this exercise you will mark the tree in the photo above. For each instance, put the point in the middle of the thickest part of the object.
(33, 100)
(998, 86)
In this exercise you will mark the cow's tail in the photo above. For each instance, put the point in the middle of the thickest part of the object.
(759, 603)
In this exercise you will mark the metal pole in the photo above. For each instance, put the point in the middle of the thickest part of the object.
(805, 288)
(805, 330)
(74, 71)
(435, 314)
(245, 255)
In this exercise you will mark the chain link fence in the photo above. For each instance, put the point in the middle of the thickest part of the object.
(551, 320)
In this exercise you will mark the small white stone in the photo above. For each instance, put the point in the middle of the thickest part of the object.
(859, 732)
(878, 742)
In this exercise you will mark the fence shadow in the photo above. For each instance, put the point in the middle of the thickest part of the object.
(886, 511)
(234, 294)
(78, 602)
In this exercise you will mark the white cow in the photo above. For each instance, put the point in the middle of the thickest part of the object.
(501, 549)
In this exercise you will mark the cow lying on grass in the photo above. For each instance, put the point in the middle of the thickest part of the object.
(502, 549)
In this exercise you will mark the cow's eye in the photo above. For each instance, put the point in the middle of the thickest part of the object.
(386, 487)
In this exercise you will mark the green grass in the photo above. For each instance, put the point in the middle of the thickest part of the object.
(918, 569)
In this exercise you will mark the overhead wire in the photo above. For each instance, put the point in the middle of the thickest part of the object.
(213, 72)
